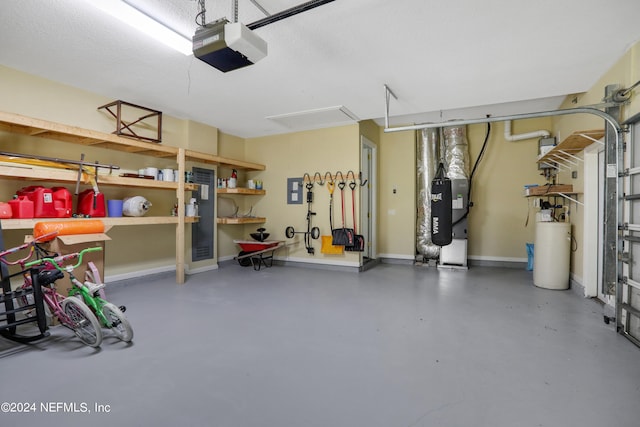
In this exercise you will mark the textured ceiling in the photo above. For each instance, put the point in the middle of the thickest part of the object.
(443, 59)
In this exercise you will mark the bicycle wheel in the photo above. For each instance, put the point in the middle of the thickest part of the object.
(119, 323)
(83, 321)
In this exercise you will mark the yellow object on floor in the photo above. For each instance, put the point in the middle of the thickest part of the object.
(329, 248)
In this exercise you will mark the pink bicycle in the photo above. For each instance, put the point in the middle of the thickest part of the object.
(71, 312)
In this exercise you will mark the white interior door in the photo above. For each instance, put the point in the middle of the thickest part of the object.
(367, 197)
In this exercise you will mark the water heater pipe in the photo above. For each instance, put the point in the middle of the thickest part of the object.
(522, 136)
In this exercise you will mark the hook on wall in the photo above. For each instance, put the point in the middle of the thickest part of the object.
(308, 181)
(318, 178)
(339, 176)
(362, 183)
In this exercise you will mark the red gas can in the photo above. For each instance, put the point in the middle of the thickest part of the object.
(21, 207)
(62, 202)
(91, 203)
(42, 199)
(5, 210)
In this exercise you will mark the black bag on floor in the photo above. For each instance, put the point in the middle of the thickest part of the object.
(441, 209)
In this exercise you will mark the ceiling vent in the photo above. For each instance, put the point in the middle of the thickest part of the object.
(318, 118)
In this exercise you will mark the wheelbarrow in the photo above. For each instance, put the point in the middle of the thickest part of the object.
(256, 253)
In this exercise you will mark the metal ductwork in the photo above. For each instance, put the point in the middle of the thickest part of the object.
(427, 145)
(456, 152)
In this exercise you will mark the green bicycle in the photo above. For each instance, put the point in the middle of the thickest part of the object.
(91, 292)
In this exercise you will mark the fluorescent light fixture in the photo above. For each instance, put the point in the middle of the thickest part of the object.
(144, 23)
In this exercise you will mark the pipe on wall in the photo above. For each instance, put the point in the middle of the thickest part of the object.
(427, 148)
(523, 136)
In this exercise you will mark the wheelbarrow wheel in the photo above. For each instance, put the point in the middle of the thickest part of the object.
(315, 233)
(289, 232)
(245, 262)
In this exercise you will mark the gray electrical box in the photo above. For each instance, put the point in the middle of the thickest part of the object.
(294, 191)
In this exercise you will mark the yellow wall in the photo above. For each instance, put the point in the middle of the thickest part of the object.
(290, 156)
(502, 220)
(498, 221)
(370, 130)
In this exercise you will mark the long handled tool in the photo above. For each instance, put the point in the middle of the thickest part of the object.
(358, 239)
(342, 236)
(327, 241)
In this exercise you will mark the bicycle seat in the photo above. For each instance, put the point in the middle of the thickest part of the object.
(47, 277)
(93, 287)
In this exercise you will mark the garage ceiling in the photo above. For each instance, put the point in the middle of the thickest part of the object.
(443, 59)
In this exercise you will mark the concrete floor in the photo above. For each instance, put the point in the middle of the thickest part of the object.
(395, 346)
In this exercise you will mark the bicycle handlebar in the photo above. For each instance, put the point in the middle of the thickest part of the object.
(62, 258)
(31, 244)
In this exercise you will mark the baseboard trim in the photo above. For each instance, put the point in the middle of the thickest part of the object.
(343, 266)
(504, 263)
(327, 262)
(201, 269)
(396, 256)
(397, 261)
(159, 271)
(472, 261)
(140, 273)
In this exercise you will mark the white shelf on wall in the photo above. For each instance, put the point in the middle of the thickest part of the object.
(566, 151)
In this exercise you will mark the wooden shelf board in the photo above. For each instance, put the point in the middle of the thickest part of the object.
(16, 123)
(27, 224)
(62, 175)
(573, 144)
(255, 220)
(50, 130)
(248, 191)
(222, 161)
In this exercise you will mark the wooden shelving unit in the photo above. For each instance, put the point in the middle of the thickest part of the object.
(241, 220)
(16, 123)
(47, 130)
(576, 142)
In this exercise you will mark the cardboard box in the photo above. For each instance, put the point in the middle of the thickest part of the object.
(547, 189)
(75, 243)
